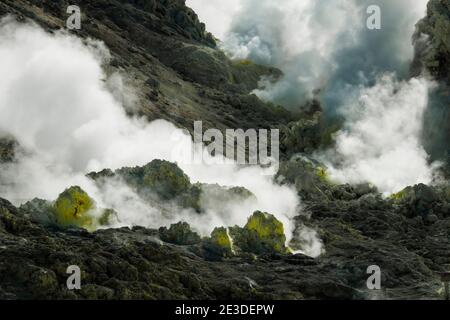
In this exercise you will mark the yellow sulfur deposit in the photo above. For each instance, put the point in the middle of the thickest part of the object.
(73, 208)
(221, 239)
(267, 231)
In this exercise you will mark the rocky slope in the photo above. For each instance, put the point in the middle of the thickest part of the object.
(181, 76)
(171, 60)
(432, 57)
(432, 40)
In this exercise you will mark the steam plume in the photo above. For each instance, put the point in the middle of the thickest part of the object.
(326, 51)
(56, 100)
(381, 142)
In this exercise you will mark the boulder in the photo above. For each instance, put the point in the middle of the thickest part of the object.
(220, 243)
(74, 207)
(308, 176)
(107, 217)
(422, 200)
(313, 183)
(40, 211)
(262, 234)
(7, 149)
(104, 174)
(304, 135)
(179, 233)
(163, 178)
(216, 196)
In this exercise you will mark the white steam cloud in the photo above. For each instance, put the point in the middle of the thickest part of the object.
(381, 143)
(327, 52)
(55, 100)
(322, 45)
(217, 15)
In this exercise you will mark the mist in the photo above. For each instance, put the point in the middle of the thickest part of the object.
(218, 15)
(69, 118)
(322, 45)
(359, 75)
(381, 141)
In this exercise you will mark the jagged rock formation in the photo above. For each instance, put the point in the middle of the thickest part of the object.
(432, 56)
(262, 234)
(220, 243)
(302, 136)
(179, 233)
(73, 208)
(432, 41)
(7, 149)
(313, 184)
(164, 178)
(430, 203)
(163, 181)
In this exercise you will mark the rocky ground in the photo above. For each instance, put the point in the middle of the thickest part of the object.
(135, 263)
(407, 235)
(181, 76)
